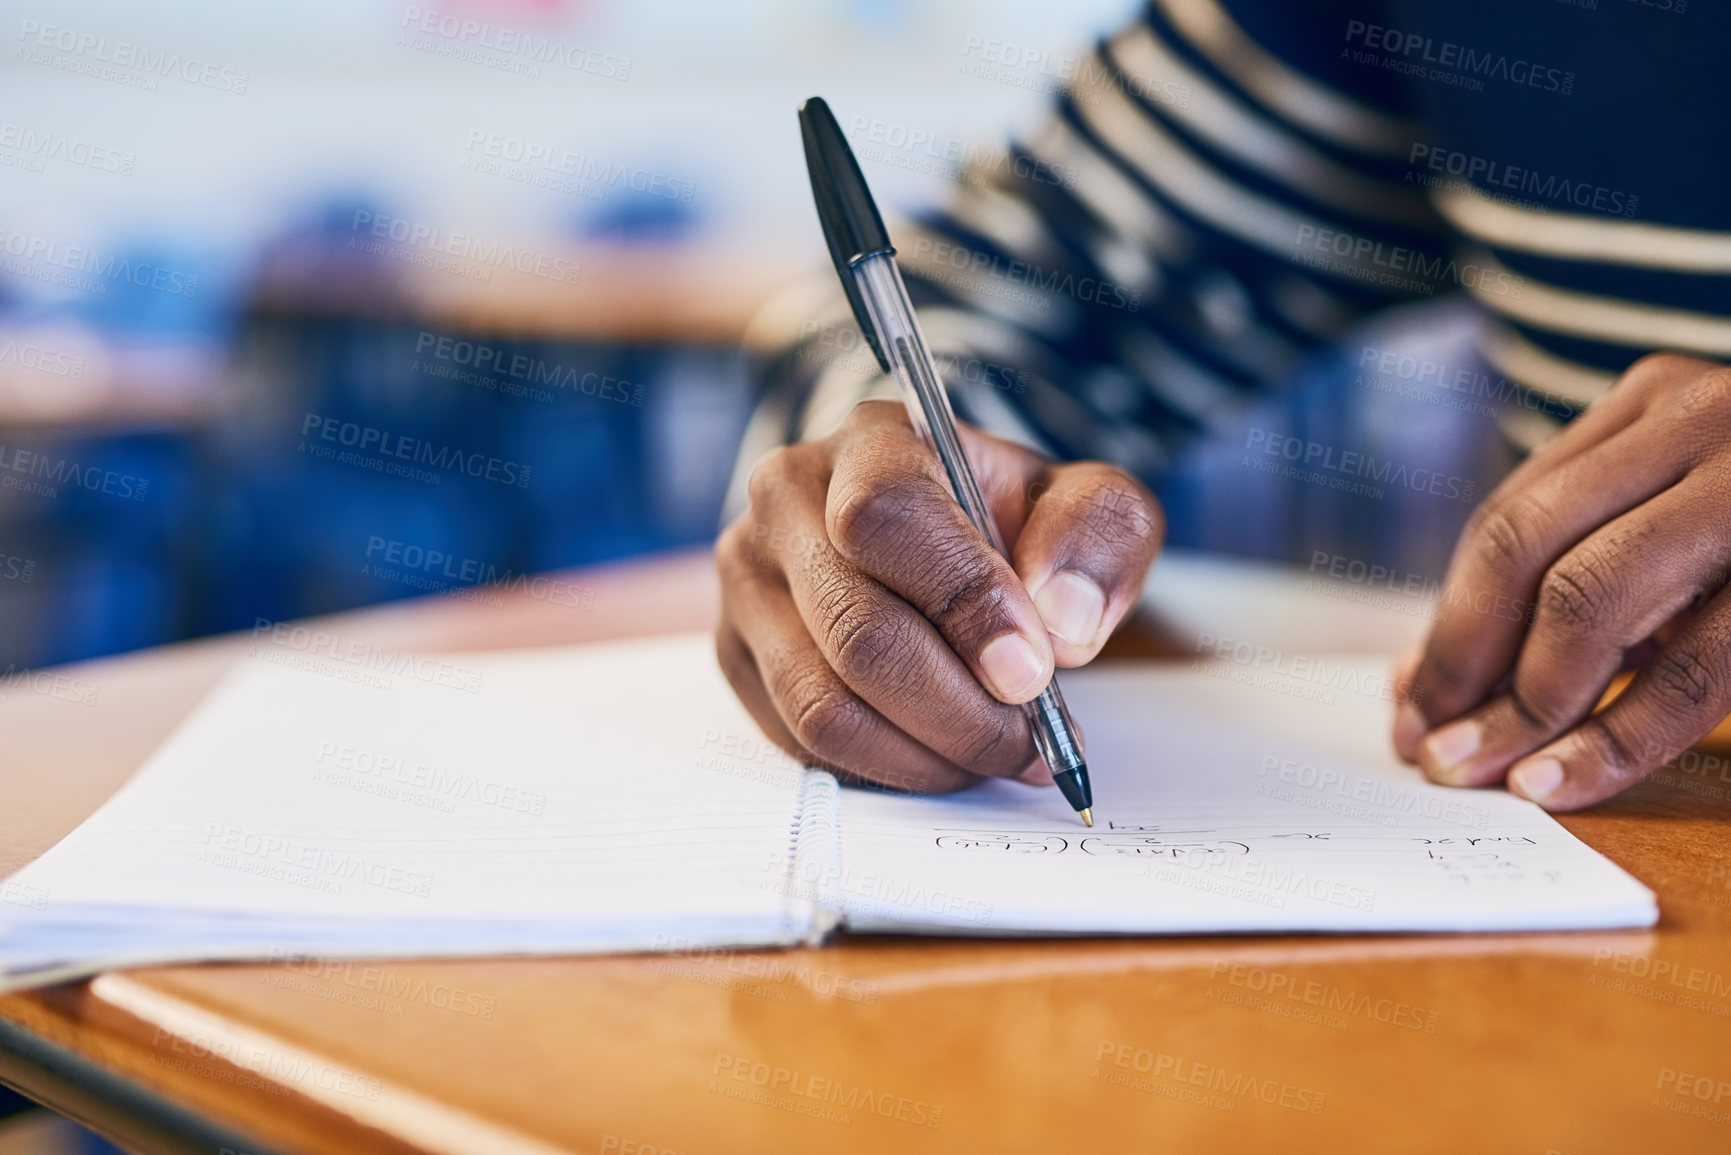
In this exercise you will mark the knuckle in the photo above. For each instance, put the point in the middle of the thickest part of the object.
(973, 602)
(1118, 513)
(730, 547)
(1705, 393)
(789, 549)
(1576, 596)
(1657, 367)
(739, 558)
(1505, 534)
(752, 545)
(825, 718)
(1439, 673)
(868, 513)
(1682, 678)
(770, 475)
(869, 644)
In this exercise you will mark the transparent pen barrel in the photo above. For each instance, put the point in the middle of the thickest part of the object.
(886, 300)
(916, 373)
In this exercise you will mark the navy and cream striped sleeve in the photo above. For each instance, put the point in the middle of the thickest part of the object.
(1147, 258)
(1225, 185)
(1577, 155)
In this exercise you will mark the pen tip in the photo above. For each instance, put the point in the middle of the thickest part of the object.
(1087, 816)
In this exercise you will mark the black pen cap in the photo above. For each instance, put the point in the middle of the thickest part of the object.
(851, 224)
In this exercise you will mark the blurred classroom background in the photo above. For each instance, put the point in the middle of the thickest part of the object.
(310, 306)
(231, 229)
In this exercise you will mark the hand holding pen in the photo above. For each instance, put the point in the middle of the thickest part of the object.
(870, 625)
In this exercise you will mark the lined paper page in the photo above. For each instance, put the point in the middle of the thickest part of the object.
(1228, 806)
(610, 795)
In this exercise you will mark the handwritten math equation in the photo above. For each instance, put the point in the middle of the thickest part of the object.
(1483, 858)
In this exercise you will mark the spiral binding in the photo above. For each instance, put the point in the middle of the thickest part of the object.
(814, 858)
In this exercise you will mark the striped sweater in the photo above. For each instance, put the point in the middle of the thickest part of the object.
(1225, 185)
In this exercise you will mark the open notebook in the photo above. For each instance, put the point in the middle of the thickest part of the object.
(617, 797)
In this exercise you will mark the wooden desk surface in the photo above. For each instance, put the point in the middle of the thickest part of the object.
(1586, 1042)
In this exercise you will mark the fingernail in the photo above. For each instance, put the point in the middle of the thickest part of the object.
(1448, 747)
(1537, 780)
(1012, 667)
(1409, 728)
(1072, 608)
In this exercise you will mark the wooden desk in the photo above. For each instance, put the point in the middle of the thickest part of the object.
(1589, 1042)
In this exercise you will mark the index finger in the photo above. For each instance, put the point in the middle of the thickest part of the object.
(892, 514)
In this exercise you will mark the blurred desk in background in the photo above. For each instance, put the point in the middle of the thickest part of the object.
(1583, 1042)
(620, 293)
(159, 488)
(66, 373)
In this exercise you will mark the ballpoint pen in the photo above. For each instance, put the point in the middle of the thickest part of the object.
(865, 260)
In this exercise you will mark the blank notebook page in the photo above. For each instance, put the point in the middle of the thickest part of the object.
(1224, 806)
(574, 789)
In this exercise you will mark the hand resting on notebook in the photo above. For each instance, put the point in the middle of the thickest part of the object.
(864, 620)
(1606, 550)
